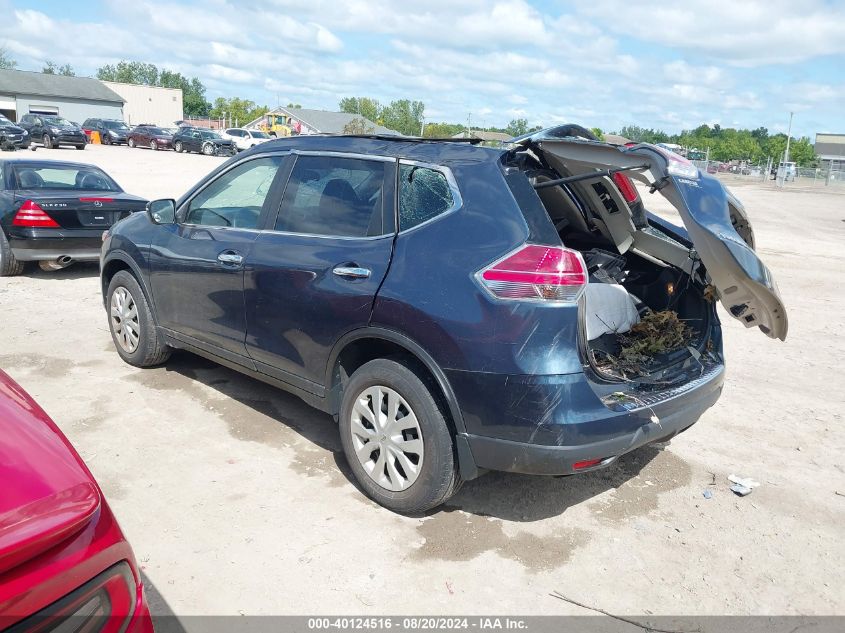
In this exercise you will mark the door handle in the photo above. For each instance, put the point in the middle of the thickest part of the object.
(351, 272)
(230, 257)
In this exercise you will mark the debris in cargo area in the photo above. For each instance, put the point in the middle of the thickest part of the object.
(656, 333)
(710, 293)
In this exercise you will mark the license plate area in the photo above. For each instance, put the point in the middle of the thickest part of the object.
(99, 218)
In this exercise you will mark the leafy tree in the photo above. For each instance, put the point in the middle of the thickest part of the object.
(358, 126)
(442, 130)
(6, 62)
(598, 133)
(130, 73)
(240, 111)
(293, 105)
(404, 116)
(364, 106)
(50, 68)
(517, 127)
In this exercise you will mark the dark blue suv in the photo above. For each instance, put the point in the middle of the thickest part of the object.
(457, 308)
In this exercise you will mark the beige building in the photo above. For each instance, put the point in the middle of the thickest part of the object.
(149, 104)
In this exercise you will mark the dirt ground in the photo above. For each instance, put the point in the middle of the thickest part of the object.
(237, 500)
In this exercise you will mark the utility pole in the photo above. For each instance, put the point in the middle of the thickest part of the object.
(422, 126)
(469, 124)
(786, 153)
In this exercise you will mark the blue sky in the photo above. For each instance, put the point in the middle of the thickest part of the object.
(602, 63)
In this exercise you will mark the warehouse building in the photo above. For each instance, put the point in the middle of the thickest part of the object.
(148, 104)
(830, 148)
(74, 98)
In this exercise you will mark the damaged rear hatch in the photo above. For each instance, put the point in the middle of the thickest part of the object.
(722, 252)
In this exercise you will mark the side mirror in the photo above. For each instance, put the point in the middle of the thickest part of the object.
(162, 211)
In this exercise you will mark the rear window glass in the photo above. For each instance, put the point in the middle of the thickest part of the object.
(424, 194)
(52, 177)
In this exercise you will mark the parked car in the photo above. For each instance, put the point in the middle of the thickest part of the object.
(245, 139)
(112, 131)
(64, 562)
(208, 142)
(55, 212)
(53, 131)
(12, 136)
(150, 136)
(453, 306)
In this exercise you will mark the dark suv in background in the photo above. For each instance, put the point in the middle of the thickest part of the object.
(53, 131)
(112, 131)
(453, 306)
(208, 142)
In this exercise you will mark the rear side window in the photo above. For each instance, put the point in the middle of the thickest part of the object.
(424, 193)
(334, 196)
(235, 198)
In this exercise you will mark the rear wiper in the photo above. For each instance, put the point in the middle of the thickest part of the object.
(589, 176)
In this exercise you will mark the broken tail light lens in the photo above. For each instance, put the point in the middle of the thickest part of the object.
(677, 165)
(32, 215)
(102, 605)
(537, 273)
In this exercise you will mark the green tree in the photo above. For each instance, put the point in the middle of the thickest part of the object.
(404, 116)
(240, 111)
(296, 106)
(358, 126)
(50, 68)
(517, 127)
(130, 73)
(364, 106)
(442, 130)
(598, 133)
(6, 62)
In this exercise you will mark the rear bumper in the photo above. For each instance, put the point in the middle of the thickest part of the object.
(48, 244)
(545, 425)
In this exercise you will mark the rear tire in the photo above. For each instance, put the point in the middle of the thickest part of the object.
(131, 323)
(80, 147)
(9, 266)
(153, 145)
(131, 142)
(419, 470)
(48, 142)
(178, 146)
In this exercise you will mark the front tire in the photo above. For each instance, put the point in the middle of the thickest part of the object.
(9, 266)
(131, 142)
(131, 323)
(208, 149)
(80, 147)
(396, 438)
(153, 145)
(48, 142)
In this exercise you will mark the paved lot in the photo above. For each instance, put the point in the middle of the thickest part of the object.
(237, 500)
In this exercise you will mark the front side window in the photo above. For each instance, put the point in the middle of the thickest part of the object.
(236, 197)
(334, 196)
(424, 193)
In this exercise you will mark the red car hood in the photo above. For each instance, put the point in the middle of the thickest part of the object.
(47, 493)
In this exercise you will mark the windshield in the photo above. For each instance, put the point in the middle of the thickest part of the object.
(80, 178)
(115, 125)
(256, 134)
(57, 120)
(4, 122)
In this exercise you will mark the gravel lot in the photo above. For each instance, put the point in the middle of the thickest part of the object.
(237, 500)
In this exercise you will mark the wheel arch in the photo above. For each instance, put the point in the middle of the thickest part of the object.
(117, 261)
(366, 344)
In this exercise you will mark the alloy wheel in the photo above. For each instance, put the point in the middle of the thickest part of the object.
(153, 145)
(124, 319)
(178, 146)
(387, 438)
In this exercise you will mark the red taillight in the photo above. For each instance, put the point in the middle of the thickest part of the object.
(626, 187)
(586, 463)
(30, 214)
(546, 273)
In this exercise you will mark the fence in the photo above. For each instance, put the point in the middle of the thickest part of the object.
(804, 176)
